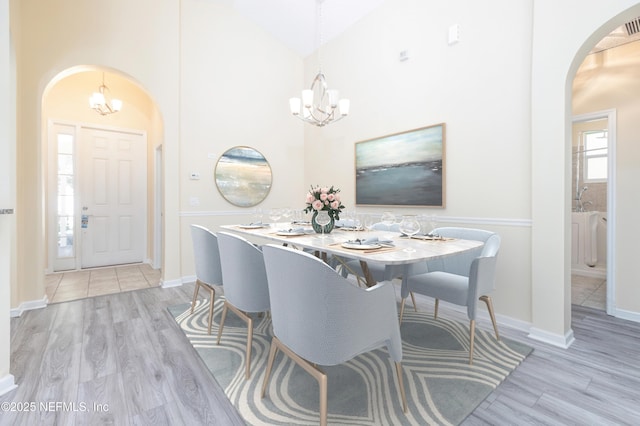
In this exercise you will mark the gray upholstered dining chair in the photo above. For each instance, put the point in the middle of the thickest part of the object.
(461, 279)
(245, 284)
(319, 318)
(207, 261)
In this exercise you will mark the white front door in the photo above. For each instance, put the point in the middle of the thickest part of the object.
(113, 197)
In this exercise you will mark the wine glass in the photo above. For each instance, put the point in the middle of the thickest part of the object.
(368, 222)
(433, 223)
(388, 218)
(322, 219)
(257, 216)
(274, 215)
(409, 226)
(287, 214)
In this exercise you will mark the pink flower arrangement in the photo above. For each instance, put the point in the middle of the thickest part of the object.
(323, 198)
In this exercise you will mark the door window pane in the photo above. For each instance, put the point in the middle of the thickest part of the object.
(66, 200)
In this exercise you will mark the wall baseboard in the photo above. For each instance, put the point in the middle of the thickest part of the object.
(7, 384)
(626, 315)
(28, 306)
(171, 283)
(552, 338)
(178, 282)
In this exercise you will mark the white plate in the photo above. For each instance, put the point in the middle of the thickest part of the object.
(250, 226)
(289, 234)
(357, 246)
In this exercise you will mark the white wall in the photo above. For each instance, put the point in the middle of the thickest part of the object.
(479, 87)
(236, 82)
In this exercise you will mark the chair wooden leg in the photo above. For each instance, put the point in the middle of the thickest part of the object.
(413, 299)
(435, 309)
(322, 383)
(307, 366)
(402, 309)
(222, 318)
(472, 333)
(195, 295)
(403, 396)
(272, 355)
(212, 293)
(247, 319)
(249, 344)
(487, 300)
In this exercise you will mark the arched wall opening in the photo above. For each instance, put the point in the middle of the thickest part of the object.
(555, 61)
(615, 69)
(65, 101)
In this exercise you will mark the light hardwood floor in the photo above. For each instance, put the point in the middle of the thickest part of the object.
(126, 352)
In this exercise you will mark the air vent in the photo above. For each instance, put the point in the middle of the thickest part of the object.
(633, 27)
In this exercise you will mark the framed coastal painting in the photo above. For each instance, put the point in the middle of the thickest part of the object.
(403, 169)
(243, 176)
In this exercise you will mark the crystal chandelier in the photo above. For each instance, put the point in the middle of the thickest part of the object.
(319, 105)
(102, 102)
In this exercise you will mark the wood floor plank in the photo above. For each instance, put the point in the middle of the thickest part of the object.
(98, 344)
(103, 399)
(139, 366)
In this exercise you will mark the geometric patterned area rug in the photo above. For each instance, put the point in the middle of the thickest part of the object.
(441, 387)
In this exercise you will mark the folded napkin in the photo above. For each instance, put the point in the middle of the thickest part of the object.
(372, 240)
(292, 230)
(348, 223)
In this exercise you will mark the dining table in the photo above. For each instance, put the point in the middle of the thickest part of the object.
(388, 248)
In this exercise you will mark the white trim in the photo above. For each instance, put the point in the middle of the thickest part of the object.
(28, 306)
(178, 282)
(551, 338)
(158, 188)
(216, 213)
(498, 221)
(612, 124)
(171, 283)
(626, 315)
(7, 384)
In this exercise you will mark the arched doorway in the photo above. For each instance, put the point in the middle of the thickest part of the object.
(80, 142)
(555, 61)
(606, 88)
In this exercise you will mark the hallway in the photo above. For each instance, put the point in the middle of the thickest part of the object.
(73, 285)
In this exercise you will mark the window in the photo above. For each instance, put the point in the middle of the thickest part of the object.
(595, 156)
(65, 196)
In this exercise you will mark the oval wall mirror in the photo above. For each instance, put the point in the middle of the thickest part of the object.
(243, 176)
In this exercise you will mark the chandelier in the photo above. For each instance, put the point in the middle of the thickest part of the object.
(319, 105)
(102, 102)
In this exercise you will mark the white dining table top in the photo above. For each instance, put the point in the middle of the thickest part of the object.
(332, 243)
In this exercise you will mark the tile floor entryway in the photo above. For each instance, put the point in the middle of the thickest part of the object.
(589, 291)
(72, 285)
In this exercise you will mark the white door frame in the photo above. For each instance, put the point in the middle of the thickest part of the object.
(52, 188)
(157, 209)
(610, 116)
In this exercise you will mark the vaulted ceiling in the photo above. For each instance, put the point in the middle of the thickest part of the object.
(295, 22)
